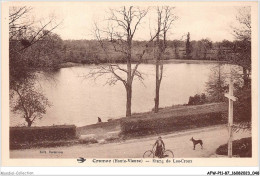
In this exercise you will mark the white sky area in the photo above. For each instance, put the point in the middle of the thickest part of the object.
(213, 22)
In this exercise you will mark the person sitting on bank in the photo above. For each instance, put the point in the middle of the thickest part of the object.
(99, 120)
(160, 147)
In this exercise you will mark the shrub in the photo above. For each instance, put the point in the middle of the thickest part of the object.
(243, 107)
(241, 148)
(29, 135)
(112, 139)
(88, 141)
(146, 126)
(197, 99)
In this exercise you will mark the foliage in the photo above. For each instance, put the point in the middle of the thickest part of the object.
(88, 141)
(242, 47)
(241, 148)
(216, 86)
(243, 30)
(147, 126)
(32, 48)
(243, 108)
(22, 137)
(30, 103)
(197, 99)
(188, 47)
(89, 52)
(42, 56)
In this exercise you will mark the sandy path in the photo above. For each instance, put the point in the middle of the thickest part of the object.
(179, 143)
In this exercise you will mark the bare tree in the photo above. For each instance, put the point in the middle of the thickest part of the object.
(165, 19)
(117, 40)
(23, 31)
(17, 23)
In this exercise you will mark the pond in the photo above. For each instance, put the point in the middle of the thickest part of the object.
(77, 100)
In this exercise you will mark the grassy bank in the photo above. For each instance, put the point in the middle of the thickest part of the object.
(180, 115)
(167, 120)
(173, 120)
(100, 129)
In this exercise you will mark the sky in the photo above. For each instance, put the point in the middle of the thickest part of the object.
(213, 22)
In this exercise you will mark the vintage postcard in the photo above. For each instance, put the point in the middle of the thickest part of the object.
(130, 84)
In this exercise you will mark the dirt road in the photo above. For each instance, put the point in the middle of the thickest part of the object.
(179, 143)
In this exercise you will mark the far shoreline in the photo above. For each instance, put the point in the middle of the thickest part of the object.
(170, 61)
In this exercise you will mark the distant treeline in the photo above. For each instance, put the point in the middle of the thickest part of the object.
(89, 51)
(54, 51)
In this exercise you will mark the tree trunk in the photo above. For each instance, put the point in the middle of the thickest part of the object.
(158, 56)
(157, 88)
(245, 77)
(219, 83)
(176, 53)
(128, 100)
(205, 56)
(29, 122)
(129, 83)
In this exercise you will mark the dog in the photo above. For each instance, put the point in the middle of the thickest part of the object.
(195, 142)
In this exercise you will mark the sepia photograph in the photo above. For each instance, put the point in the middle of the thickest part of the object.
(131, 83)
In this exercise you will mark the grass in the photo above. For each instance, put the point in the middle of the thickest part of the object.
(43, 144)
(167, 113)
(99, 129)
(179, 116)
